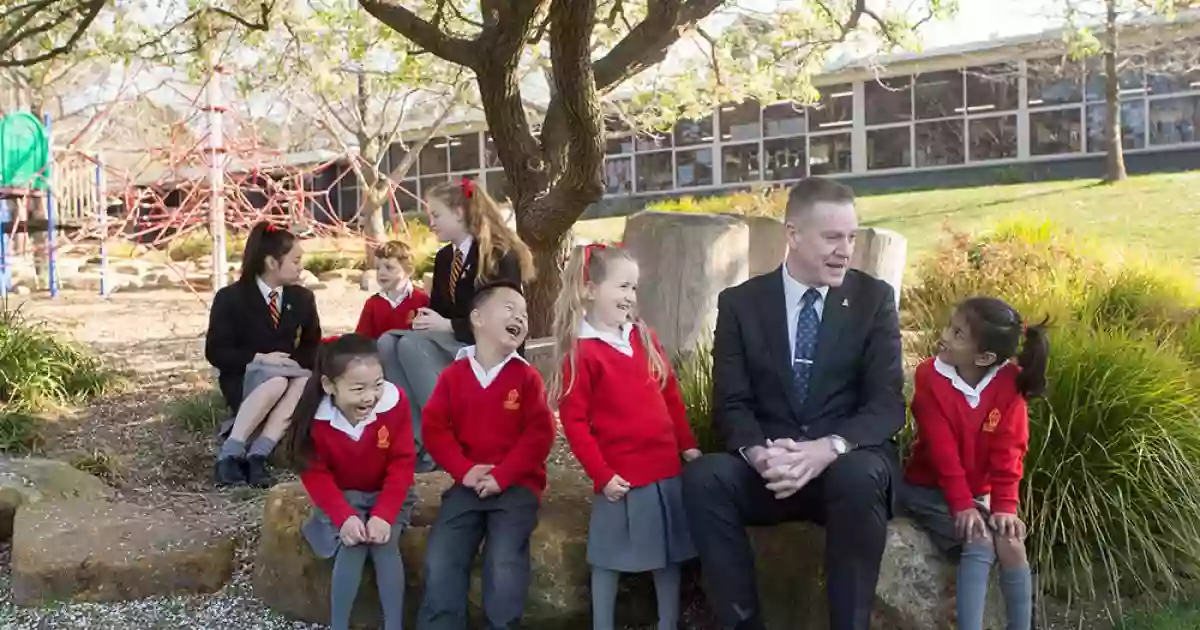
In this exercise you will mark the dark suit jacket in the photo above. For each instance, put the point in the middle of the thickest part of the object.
(239, 326)
(508, 268)
(855, 389)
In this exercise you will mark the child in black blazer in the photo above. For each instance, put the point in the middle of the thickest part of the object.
(263, 333)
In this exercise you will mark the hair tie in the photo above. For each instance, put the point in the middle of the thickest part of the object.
(587, 257)
(330, 339)
(468, 187)
(271, 228)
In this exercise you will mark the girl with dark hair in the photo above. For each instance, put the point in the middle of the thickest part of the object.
(481, 249)
(352, 445)
(263, 333)
(963, 476)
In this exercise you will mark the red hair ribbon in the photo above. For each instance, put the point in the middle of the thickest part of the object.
(271, 227)
(587, 257)
(468, 187)
(330, 339)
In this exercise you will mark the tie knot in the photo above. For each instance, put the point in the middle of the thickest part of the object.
(810, 297)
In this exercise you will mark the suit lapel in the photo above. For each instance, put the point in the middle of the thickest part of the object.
(256, 304)
(833, 318)
(775, 323)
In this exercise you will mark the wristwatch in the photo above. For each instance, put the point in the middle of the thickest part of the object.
(840, 445)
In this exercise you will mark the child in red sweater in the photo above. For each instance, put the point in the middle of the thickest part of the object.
(623, 415)
(352, 440)
(963, 476)
(398, 301)
(488, 425)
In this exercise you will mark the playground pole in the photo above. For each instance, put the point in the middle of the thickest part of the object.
(5, 215)
(51, 258)
(103, 220)
(216, 138)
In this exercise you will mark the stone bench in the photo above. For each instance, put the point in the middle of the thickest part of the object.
(916, 586)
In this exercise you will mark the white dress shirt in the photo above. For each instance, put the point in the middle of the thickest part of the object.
(486, 377)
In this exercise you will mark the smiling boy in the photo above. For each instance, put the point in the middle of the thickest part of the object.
(398, 302)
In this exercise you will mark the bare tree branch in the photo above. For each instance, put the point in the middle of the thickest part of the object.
(423, 33)
(647, 44)
(20, 25)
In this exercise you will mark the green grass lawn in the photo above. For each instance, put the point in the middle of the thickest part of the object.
(1159, 214)
(1178, 617)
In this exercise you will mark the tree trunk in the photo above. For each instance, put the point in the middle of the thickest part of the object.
(374, 230)
(1115, 167)
(549, 257)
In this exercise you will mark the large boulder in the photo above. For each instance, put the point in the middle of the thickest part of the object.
(292, 581)
(100, 551)
(916, 582)
(30, 481)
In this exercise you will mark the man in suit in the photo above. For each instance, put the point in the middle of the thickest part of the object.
(807, 396)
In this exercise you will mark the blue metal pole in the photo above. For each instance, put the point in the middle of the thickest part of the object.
(51, 256)
(5, 215)
(103, 220)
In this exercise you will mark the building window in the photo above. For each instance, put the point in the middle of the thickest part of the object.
(404, 198)
(655, 171)
(619, 139)
(434, 158)
(1055, 132)
(653, 141)
(784, 119)
(940, 143)
(938, 95)
(1175, 70)
(1131, 83)
(889, 148)
(1133, 126)
(993, 88)
(395, 155)
(740, 163)
(464, 152)
(741, 121)
(888, 100)
(1174, 120)
(830, 154)
(785, 158)
(429, 182)
(496, 183)
(834, 110)
(694, 168)
(993, 138)
(490, 158)
(618, 176)
(1054, 82)
(689, 132)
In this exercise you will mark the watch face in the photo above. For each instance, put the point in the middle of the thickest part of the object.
(839, 446)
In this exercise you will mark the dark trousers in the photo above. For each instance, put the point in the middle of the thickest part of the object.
(851, 499)
(503, 524)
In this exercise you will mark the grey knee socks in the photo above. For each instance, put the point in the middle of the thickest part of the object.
(1016, 584)
(262, 447)
(604, 597)
(974, 569)
(232, 449)
(389, 577)
(666, 587)
(347, 574)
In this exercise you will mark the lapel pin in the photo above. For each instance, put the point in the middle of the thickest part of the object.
(845, 302)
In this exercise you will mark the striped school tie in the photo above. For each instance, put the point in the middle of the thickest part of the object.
(456, 270)
(273, 307)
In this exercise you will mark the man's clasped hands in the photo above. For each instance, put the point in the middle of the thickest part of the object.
(788, 465)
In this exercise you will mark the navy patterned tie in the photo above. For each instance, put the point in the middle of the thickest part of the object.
(807, 325)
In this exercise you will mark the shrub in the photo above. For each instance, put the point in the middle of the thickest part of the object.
(201, 413)
(318, 263)
(197, 245)
(38, 369)
(766, 202)
(694, 372)
(20, 433)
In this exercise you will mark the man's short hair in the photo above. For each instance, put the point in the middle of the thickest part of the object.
(399, 252)
(811, 191)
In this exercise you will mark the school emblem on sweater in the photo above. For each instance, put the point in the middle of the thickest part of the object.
(993, 419)
(384, 440)
(299, 331)
(513, 401)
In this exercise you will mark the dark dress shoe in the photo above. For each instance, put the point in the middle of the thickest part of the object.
(231, 471)
(257, 475)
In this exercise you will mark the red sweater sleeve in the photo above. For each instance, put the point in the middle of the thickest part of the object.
(365, 325)
(438, 433)
(323, 490)
(933, 428)
(1006, 457)
(674, 400)
(575, 414)
(402, 461)
(537, 435)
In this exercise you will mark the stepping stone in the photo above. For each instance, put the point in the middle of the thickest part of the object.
(99, 551)
(28, 481)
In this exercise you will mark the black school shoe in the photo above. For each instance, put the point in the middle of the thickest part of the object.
(257, 474)
(231, 471)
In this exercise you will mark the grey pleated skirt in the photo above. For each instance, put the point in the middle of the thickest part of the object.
(325, 538)
(259, 373)
(645, 531)
(412, 361)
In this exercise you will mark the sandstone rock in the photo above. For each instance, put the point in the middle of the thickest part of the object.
(307, 278)
(916, 582)
(332, 274)
(165, 280)
(28, 481)
(129, 269)
(100, 551)
(22, 289)
(294, 582)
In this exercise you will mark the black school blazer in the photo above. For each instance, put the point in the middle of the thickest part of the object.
(508, 269)
(239, 326)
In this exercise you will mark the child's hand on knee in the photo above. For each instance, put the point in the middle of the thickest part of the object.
(379, 531)
(488, 487)
(1008, 526)
(969, 525)
(475, 475)
(353, 532)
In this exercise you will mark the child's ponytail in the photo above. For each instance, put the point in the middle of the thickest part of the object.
(568, 314)
(1033, 360)
(265, 239)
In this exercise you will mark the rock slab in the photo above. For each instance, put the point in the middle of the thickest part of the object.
(79, 550)
(32, 480)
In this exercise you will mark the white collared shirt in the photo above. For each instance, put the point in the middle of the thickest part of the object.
(793, 296)
(328, 412)
(266, 290)
(621, 342)
(465, 246)
(405, 292)
(972, 394)
(486, 377)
